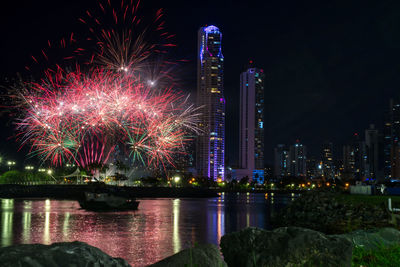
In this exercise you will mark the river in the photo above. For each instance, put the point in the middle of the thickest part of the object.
(158, 229)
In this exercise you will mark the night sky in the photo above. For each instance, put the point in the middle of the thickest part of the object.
(331, 66)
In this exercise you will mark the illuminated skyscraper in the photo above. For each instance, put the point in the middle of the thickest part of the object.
(251, 136)
(281, 161)
(327, 159)
(372, 146)
(210, 149)
(392, 141)
(298, 159)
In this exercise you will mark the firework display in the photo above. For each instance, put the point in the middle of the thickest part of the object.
(84, 115)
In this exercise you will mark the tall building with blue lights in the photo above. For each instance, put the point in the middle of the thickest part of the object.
(210, 145)
(251, 135)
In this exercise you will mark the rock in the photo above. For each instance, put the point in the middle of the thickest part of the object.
(331, 217)
(202, 255)
(286, 246)
(373, 238)
(58, 254)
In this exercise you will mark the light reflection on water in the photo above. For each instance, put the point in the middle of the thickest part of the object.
(160, 228)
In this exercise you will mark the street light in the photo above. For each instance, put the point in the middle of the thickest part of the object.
(10, 163)
(177, 179)
(29, 168)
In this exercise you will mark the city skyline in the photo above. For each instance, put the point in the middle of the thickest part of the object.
(316, 108)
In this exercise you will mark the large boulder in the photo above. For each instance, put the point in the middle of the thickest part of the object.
(286, 246)
(58, 254)
(202, 255)
(374, 238)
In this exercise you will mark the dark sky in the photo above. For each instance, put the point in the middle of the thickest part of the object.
(331, 65)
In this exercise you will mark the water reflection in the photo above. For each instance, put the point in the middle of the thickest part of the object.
(7, 206)
(175, 234)
(160, 228)
(26, 222)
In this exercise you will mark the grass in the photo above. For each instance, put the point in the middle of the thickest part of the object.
(379, 257)
(369, 200)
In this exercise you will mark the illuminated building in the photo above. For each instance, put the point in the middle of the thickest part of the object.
(391, 132)
(298, 158)
(210, 147)
(312, 168)
(251, 123)
(327, 159)
(281, 161)
(371, 142)
(360, 158)
(348, 162)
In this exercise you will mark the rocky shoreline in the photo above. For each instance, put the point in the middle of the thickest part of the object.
(326, 237)
(322, 211)
(250, 247)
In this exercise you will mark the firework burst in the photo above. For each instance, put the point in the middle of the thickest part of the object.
(84, 116)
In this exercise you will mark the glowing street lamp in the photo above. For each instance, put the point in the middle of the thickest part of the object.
(177, 179)
(10, 163)
(29, 168)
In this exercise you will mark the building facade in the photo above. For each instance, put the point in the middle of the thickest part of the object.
(328, 163)
(251, 123)
(391, 135)
(281, 161)
(348, 162)
(372, 147)
(210, 145)
(298, 159)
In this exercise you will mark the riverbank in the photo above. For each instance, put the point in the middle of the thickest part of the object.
(74, 192)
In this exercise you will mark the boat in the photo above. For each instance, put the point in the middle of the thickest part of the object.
(105, 201)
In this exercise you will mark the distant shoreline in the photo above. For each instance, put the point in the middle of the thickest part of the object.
(74, 192)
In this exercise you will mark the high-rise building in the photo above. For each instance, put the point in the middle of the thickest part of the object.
(371, 142)
(281, 161)
(210, 148)
(348, 162)
(251, 135)
(360, 158)
(392, 141)
(312, 168)
(328, 163)
(298, 158)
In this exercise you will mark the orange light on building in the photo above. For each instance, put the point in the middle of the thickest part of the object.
(219, 180)
(328, 184)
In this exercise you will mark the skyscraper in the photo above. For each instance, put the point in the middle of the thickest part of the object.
(210, 148)
(298, 158)
(360, 158)
(371, 142)
(348, 162)
(281, 161)
(391, 141)
(251, 135)
(328, 163)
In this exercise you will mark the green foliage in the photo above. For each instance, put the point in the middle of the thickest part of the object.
(11, 177)
(381, 256)
(15, 176)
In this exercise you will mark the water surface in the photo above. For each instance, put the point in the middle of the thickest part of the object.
(159, 228)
